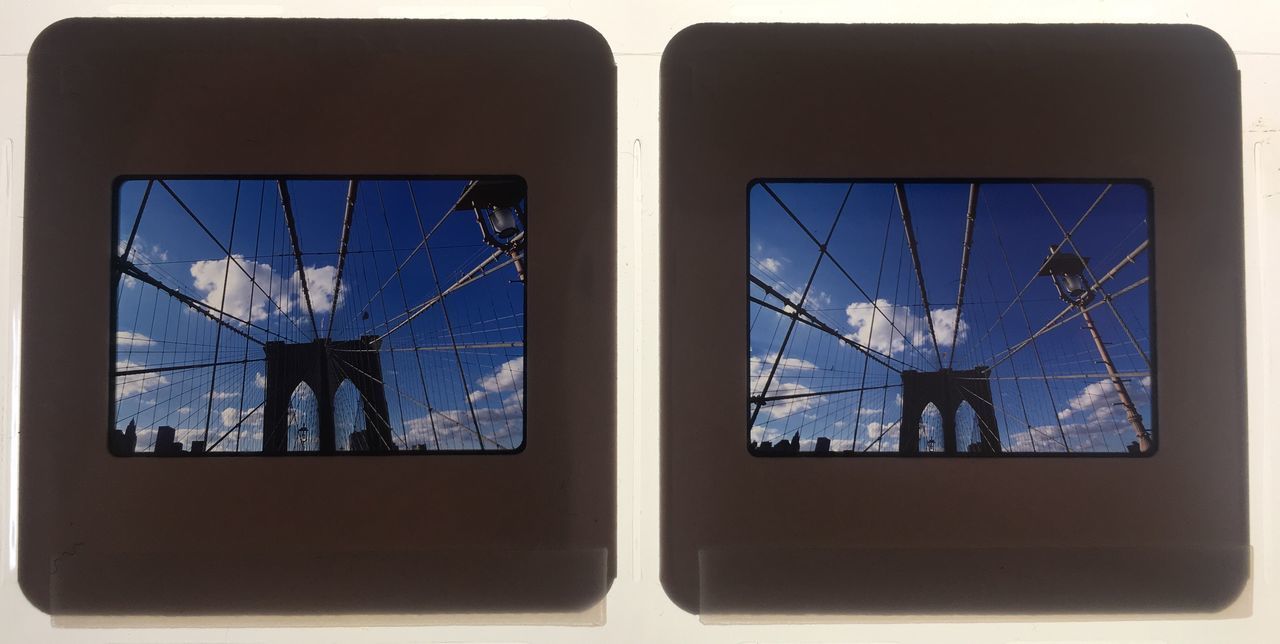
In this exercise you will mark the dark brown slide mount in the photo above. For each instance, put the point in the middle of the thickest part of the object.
(523, 531)
(1166, 532)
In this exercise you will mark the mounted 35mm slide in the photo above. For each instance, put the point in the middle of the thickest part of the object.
(968, 333)
(336, 342)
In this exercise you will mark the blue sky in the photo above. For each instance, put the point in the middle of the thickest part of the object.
(1049, 395)
(478, 388)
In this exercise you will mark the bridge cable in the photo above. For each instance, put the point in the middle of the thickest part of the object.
(1096, 284)
(782, 349)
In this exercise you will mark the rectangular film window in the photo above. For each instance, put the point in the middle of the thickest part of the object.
(976, 318)
(275, 315)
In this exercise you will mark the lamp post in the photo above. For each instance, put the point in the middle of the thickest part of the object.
(1068, 273)
(496, 203)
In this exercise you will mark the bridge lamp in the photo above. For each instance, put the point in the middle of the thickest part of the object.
(496, 203)
(1068, 273)
(502, 222)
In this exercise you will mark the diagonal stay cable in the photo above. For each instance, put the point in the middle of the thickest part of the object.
(217, 341)
(181, 367)
(413, 336)
(235, 427)
(805, 317)
(287, 204)
(811, 394)
(200, 307)
(430, 410)
(257, 246)
(883, 431)
(182, 204)
(137, 221)
(901, 191)
(970, 216)
(1040, 268)
(1011, 416)
(474, 274)
(444, 309)
(871, 331)
(517, 344)
(791, 326)
(1070, 240)
(404, 436)
(347, 213)
(421, 244)
(1026, 319)
(834, 262)
(1072, 376)
(1059, 319)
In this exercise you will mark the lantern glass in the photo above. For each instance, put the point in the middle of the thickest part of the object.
(1075, 284)
(503, 221)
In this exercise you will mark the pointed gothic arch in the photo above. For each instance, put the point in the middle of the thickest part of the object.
(348, 416)
(302, 416)
(947, 389)
(930, 429)
(323, 365)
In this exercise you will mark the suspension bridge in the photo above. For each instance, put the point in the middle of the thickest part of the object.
(949, 318)
(285, 316)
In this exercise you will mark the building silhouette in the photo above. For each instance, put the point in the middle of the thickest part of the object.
(781, 447)
(165, 445)
(123, 443)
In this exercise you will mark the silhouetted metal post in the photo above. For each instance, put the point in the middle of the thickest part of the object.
(1130, 410)
(1067, 271)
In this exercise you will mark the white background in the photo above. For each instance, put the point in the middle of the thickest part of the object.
(637, 610)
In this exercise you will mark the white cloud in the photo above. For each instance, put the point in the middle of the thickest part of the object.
(320, 285)
(887, 433)
(247, 302)
(231, 415)
(1099, 402)
(131, 339)
(783, 408)
(760, 368)
(506, 380)
(259, 380)
(209, 277)
(815, 301)
(454, 428)
(498, 409)
(143, 253)
(770, 264)
(223, 395)
(896, 326)
(137, 383)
